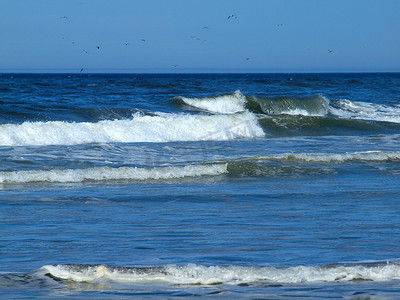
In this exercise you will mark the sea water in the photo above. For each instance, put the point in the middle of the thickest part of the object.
(200, 185)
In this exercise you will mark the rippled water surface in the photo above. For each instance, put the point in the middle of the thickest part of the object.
(211, 185)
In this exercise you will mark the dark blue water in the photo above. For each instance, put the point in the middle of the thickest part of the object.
(211, 185)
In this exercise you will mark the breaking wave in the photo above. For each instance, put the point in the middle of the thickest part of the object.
(229, 116)
(366, 111)
(107, 173)
(206, 275)
(141, 128)
(222, 104)
(366, 156)
(307, 106)
(314, 106)
(268, 165)
(238, 102)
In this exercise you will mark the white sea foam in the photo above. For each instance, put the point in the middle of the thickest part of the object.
(197, 274)
(366, 111)
(161, 128)
(335, 157)
(107, 173)
(223, 104)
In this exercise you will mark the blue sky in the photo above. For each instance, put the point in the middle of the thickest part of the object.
(191, 35)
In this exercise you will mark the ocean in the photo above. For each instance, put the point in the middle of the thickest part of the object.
(232, 186)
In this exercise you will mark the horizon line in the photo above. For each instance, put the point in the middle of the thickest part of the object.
(184, 71)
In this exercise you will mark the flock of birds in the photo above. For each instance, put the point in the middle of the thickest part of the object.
(231, 16)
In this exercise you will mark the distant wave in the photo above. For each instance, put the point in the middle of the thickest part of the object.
(206, 275)
(140, 128)
(268, 165)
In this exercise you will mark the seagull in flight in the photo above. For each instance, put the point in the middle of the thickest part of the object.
(232, 16)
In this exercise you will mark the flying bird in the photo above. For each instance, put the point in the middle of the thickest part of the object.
(232, 16)
(85, 51)
(197, 38)
(330, 51)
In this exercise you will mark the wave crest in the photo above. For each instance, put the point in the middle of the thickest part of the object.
(366, 111)
(267, 165)
(365, 156)
(206, 275)
(107, 173)
(221, 104)
(141, 128)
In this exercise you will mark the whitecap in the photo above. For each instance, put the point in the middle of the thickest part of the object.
(222, 104)
(206, 275)
(141, 128)
(108, 173)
